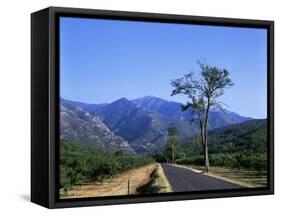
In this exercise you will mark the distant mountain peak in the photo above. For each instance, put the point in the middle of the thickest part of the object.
(121, 100)
(150, 98)
(172, 110)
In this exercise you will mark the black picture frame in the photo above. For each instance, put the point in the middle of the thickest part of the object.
(45, 105)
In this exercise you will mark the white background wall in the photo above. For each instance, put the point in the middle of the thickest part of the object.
(15, 106)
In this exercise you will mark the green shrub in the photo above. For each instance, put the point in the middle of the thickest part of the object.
(247, 160)
(82, 164)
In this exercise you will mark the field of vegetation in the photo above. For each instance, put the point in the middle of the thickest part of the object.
(81, 164)
(247, 160)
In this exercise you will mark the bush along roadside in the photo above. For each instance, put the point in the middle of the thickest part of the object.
(80, 164)
(251, 161)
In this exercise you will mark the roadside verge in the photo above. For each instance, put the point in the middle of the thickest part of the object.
(162, 180)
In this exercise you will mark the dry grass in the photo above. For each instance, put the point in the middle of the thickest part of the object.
(122, 185)
(158, 183)
(162, 180)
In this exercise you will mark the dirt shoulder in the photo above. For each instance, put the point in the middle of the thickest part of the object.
(158, 183)
(124, 184)
(162, 180)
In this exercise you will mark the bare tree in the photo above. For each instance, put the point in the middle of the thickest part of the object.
(202, 94)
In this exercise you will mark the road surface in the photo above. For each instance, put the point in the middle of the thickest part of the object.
(182, 180)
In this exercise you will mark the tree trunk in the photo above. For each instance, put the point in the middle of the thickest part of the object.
(173, 152)
(206, 155)
(202, 137)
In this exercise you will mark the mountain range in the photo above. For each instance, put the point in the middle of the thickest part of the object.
(78, 125)
(133, 126)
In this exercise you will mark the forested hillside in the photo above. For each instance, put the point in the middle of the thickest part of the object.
(233, 146)
(246, 136)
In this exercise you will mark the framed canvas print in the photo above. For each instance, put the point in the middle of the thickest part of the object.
(139, 107)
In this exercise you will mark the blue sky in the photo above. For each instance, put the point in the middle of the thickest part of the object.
(104, 60)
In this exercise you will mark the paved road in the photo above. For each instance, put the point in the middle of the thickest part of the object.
(183, 180)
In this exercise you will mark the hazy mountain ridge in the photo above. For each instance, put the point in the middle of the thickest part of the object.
(145, 130)
(172, 110)
(142, 122)
(85, 106)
